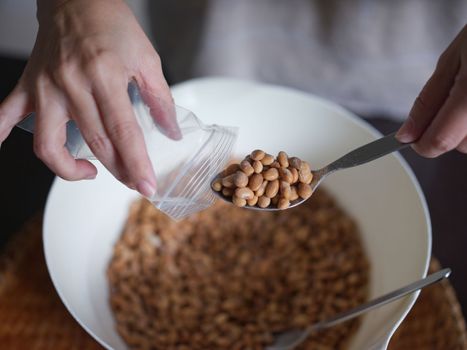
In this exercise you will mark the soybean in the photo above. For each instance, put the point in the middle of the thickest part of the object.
(285, 190)
(304, 191)
(217, 185)
(231, 169)
(227, 192)
(286, 175)
(272, 188)
(283, 159)
(257, 154)
(244, 193)
(275, 164)
(257, 166)
(293, 193)
(264, 180)
(239, 202)
(305, 176)
(267, 159)
(240, 179)
(246, 167)
(295, 162)
(252, 202)
(271, 174)
(283, 203)
(294, 175)
(263, 201)
(255, 182)
(228, 181)
(262, 188)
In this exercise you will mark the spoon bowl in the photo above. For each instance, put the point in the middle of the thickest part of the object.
(364, 154)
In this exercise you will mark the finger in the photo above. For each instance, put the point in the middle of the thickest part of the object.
(12, 110)
(463, 146)
(449, 128)
(87, 117)
(50, 139)
(156, 95)
(432, 96)
(123, 130)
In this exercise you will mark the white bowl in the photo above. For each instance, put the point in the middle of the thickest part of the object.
(84, 219)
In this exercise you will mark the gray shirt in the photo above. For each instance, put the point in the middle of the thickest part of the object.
(370, 56)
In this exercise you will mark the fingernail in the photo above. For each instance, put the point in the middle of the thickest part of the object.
(146, 189)
(175, 133)
(171, 128)
(405, 132)
(403, 136)
(91, 176)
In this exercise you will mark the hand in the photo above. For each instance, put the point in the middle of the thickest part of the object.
(438, 119)
(85, 54)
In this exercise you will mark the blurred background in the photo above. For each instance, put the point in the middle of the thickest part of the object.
(25, 181)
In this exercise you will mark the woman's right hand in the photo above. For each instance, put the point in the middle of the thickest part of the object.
(437, 122)
(85, 54)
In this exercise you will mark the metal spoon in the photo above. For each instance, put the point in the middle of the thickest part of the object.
(361, 155)
(290, 339)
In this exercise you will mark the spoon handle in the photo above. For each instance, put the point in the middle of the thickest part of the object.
(380, 301)
(367, 153)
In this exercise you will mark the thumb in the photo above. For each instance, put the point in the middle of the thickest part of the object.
(156, 95)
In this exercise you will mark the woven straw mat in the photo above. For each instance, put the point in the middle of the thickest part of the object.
(32, 317)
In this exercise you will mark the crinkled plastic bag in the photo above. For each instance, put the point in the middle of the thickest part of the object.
(184, 168)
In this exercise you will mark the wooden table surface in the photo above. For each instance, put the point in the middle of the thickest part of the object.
(25, 182)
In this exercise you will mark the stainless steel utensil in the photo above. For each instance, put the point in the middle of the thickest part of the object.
(291, 339)
(359, 156)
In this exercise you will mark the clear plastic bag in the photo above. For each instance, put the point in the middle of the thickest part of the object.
(184, 168)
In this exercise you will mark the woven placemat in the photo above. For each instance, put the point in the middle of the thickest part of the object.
(32, 316)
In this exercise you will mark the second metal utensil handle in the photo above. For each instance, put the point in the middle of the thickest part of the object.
(382, 300)
(368, 152)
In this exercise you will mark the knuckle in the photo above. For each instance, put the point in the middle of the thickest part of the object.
(153, 61)
(44, 82)
(45, 150)
(105, 73)
(99, 143)
(123, 131)
(62, 74)
(122, 175)
(424, 151)
(100, 63)
(443, 143)
(95, 68)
